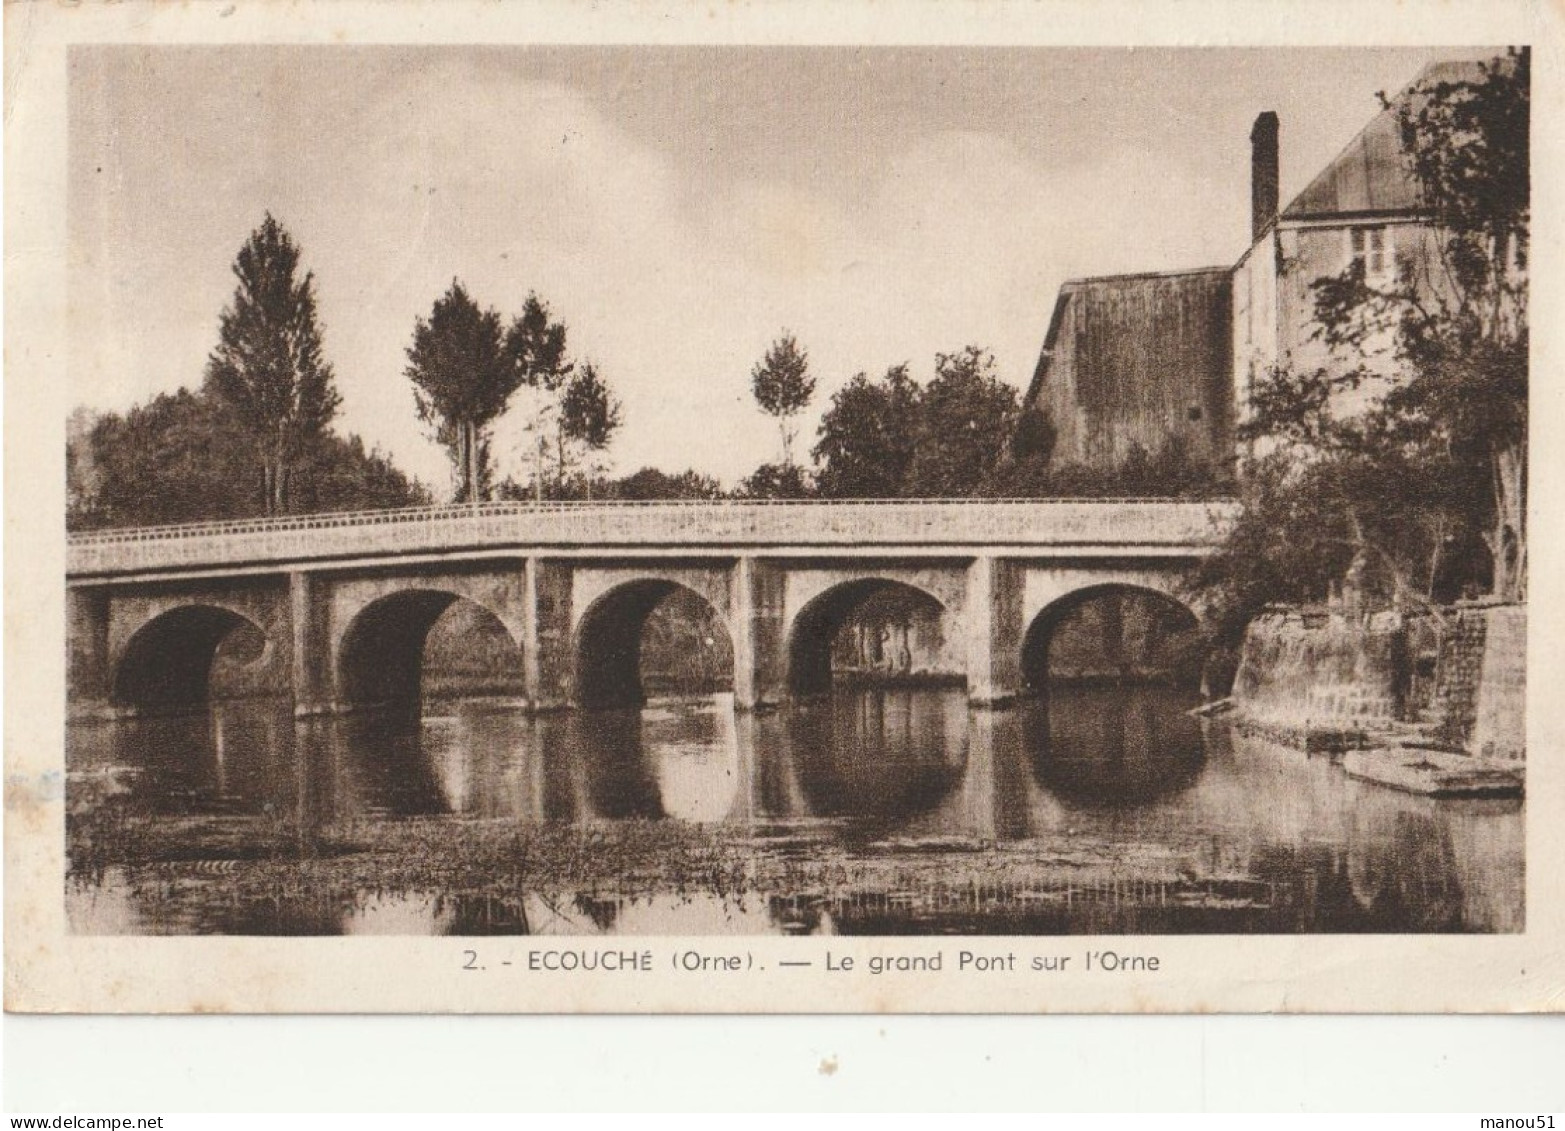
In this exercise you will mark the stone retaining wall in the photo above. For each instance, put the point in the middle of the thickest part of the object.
(1306, 670)
(1457, 677)
(1299, 667)
(1499, 712)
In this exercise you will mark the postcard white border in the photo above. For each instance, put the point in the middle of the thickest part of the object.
(49, 969)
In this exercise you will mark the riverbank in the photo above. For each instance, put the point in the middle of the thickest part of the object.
(1432, 703)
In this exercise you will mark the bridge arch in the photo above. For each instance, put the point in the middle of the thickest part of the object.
(1145, 632)
(611, 632)
(380, 661)
(814, 630)
(167, 663)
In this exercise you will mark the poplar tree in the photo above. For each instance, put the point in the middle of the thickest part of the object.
(269, 368)
(537, 346)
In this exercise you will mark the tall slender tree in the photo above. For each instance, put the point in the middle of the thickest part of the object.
(269, 367)
(537, 346)
(783, 387)
(462, 376)
(1444, 450)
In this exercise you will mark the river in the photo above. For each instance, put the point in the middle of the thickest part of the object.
(1096, 810)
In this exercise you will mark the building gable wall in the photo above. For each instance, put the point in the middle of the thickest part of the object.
(1140, 361)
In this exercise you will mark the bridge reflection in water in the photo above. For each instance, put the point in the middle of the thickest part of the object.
(892, 811)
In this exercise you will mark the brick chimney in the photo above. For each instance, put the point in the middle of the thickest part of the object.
(1263, 173)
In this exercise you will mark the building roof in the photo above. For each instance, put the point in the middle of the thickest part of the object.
(1370, 175)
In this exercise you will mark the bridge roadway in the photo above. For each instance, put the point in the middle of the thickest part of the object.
(345, 601)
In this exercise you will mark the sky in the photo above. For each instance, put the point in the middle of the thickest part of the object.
(677, 208)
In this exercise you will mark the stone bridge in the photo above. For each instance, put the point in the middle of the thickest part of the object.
(344, 602)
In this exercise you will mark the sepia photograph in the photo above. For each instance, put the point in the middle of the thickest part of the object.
(854, 510)
(1042, 491)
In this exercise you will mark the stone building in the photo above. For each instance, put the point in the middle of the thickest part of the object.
(1362, 207)
(1150, 360)
(1139, 361)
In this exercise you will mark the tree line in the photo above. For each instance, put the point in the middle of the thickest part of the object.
(963, 433)
(256, 438)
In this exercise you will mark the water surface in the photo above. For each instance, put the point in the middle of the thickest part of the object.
(886, 812)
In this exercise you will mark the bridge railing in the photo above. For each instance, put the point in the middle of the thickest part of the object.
(697, 523)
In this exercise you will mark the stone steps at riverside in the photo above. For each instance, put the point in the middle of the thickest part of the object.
(1433, 773)
(1311, 736)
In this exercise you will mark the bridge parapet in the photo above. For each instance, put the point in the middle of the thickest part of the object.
(1104, 524)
